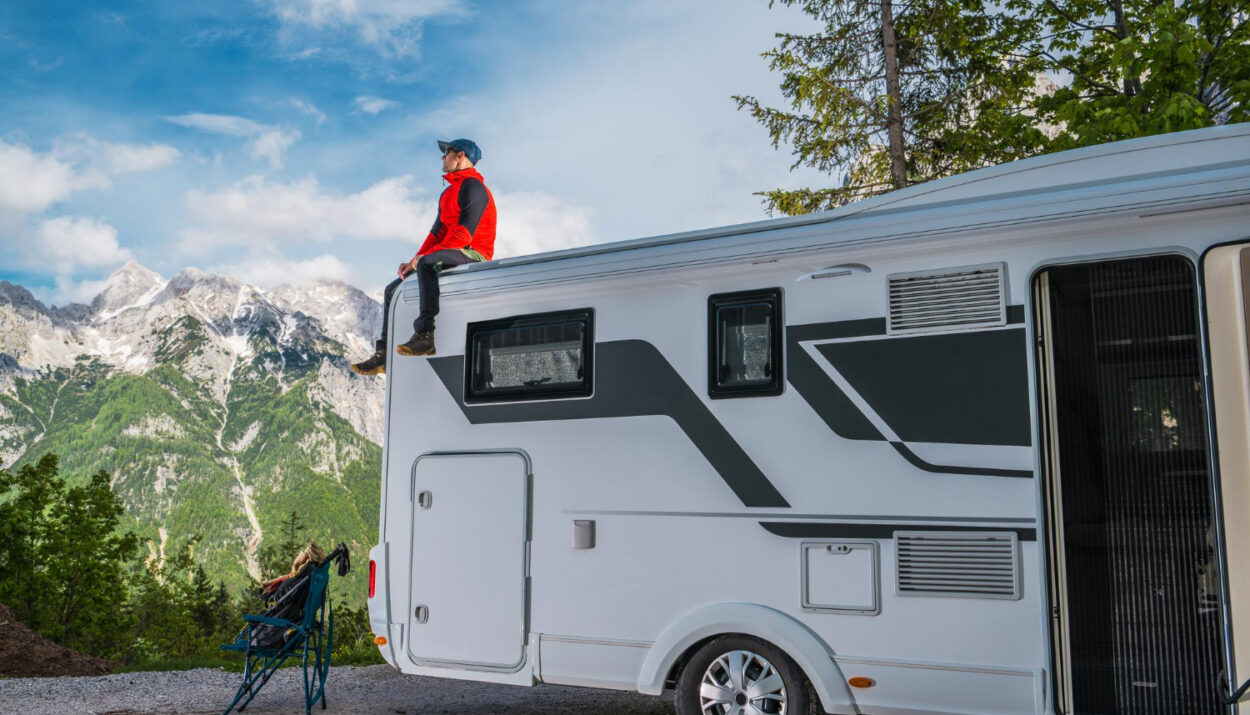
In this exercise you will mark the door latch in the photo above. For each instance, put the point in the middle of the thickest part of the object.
(425, 499)
(422, 614)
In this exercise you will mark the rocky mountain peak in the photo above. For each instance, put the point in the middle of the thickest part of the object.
(22, 300)
(130, 286)
(344, 311)
(210, 297)
(192, 279)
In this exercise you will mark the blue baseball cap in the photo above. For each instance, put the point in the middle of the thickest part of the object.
(467, 146)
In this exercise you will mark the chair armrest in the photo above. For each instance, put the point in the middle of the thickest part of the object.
(268, 621)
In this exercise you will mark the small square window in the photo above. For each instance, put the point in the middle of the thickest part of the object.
(744, 344)
(530, 357)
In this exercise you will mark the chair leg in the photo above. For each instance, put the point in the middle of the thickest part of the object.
(307, 691)
(245, 687)
(268, 668)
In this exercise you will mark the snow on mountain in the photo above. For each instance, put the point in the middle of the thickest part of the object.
(140, 319)
(132, 286)
(347, 313)
(217, 407)
(31, 333)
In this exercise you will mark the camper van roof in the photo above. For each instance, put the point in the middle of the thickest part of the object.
(1159, 161)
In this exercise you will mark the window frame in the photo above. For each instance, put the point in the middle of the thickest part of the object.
(537, 392)
(776, 385)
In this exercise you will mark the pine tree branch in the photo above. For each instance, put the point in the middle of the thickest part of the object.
(878, 78)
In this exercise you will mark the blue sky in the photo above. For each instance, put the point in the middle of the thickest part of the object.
(283, 140)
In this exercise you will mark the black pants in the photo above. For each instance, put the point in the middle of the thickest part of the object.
(428, 268)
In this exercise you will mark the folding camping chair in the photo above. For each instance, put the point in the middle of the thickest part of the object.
(310, 639)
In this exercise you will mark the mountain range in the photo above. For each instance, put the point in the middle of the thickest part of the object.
(217, 407)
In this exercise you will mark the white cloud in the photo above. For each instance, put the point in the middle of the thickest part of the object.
(390, 27)
(66, 243)
(643, 116)
(270, 272)
(139, 157)
(268, 142)
(114, 158)
(373, 105)
(272, 144)
(46, 66)
(220, 124)
(534, 222)
(31, 182)
(304, 54)
(256, 211)
(70, 291)
(310, 109)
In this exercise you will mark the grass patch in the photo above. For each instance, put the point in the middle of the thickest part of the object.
(232, 665)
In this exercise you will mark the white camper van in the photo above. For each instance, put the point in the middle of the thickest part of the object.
(977, 446)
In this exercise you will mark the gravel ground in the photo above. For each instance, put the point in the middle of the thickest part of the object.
(375, 689)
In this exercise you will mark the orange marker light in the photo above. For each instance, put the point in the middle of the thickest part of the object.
(860, 681)
(380, 640)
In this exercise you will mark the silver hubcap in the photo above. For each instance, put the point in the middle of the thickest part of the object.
(742, 683)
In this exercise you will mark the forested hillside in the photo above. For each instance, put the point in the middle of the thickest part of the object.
(217, 409)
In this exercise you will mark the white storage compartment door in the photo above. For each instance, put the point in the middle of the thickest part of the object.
(469, 541)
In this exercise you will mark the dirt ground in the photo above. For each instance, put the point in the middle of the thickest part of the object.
(26, 654)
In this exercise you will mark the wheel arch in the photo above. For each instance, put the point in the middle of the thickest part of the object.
(796, 640)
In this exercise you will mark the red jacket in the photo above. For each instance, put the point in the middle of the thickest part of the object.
(466, 216)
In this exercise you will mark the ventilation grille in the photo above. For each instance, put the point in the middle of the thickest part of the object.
(945, 563)
(971, 297)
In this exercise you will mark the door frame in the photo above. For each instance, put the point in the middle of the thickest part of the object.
(1233, 678)
(1059, 691)
(525, 575)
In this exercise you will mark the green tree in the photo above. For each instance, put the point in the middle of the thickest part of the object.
(25, 500)
(64, 558)
(891, 94)
(1142, 67)
(178, 612)
(275, 558)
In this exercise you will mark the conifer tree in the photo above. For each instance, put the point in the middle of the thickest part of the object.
(275, 557)
(893, 93)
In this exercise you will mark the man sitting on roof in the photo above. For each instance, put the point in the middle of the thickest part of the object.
(464, 232)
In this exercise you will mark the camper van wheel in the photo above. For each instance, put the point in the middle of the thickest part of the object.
(741, 675)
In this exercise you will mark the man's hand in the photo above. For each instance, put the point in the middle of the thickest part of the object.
(406, 268)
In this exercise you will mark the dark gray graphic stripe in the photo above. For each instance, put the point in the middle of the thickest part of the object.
(632, 379)
(950, 388)
(814, 384)
(955, 388)
(919, 463)
(816, 530)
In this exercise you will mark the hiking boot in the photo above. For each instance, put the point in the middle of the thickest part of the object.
(418, 344)
(375, 364)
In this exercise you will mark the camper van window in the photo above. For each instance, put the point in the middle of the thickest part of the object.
(744, 344)
(530, 357)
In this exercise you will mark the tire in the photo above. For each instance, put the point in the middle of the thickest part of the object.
(733, 668)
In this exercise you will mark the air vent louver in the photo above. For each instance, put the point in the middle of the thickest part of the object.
(945, 563)
(959, 298)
